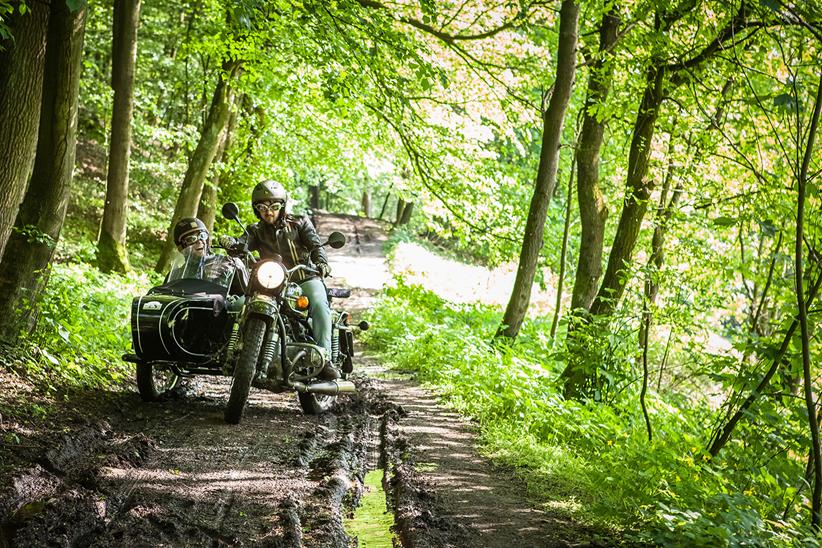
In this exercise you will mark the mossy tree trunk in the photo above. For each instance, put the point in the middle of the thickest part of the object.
(25, 265)
(192, 187)
(660, 79)
(638, 191)
(207, 210)
(111, 247)
(21, 89)
(553, 120)
(593, 212)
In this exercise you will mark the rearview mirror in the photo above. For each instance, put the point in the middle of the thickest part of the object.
(336, 240)
(231, 211)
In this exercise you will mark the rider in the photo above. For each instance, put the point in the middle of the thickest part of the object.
(294, 240)
(192, 239)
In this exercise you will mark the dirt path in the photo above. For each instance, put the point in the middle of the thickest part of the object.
(108, 470)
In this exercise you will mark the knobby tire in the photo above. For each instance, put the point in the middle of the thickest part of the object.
(244, 372)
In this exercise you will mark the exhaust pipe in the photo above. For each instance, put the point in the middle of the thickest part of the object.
(330, 388)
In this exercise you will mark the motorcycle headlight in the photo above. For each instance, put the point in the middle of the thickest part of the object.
(270, 275)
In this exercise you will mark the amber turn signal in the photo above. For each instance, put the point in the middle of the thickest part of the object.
(302, 302)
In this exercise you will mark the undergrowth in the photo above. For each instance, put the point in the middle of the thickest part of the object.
(82, 330)
(590, 459)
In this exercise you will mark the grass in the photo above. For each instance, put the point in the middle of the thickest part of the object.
(593, 460)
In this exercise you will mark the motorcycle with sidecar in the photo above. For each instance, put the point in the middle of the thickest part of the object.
(235, 316)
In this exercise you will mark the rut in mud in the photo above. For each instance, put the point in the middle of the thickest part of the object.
(109, 470)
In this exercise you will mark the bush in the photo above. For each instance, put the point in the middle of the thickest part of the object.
(592, 459)
(83, 329)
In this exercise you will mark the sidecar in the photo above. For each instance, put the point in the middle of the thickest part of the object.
(183, 322)
(186, 325)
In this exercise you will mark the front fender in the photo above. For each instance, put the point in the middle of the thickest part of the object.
(262, 306)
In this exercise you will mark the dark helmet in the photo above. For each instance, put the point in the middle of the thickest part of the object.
(186, 226)
(269, 191)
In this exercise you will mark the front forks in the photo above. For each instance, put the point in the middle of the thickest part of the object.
(269, 350)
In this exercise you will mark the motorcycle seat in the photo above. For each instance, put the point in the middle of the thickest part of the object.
(338, 292)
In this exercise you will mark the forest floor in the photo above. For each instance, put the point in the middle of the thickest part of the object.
(104, 469)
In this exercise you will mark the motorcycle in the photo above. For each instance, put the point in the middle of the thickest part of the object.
(231, 315)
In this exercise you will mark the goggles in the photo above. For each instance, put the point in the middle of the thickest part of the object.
(192, 239)
(273, 207)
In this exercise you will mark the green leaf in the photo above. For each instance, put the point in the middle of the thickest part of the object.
(768, 227)
(724, 221)
(786, 101)
(49, 357)
(772, 5)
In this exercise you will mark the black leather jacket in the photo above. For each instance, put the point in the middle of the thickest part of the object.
(293, 238)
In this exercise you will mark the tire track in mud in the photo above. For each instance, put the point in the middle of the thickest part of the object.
(279, 479)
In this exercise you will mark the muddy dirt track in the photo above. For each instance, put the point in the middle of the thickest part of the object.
(109, 470)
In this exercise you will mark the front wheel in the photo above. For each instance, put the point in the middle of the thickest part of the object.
(245, 370)
(154, 383)
(315, 404)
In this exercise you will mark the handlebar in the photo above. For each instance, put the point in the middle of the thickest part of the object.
(303, 267)
(235, 250)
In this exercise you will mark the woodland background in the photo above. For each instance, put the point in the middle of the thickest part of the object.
(652, 161)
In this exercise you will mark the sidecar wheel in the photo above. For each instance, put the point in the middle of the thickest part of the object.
(315, 404)
(244, 372)
(152, 383)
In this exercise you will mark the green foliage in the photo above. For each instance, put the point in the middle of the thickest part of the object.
(592, 459)
(83, 329)
(351, 97)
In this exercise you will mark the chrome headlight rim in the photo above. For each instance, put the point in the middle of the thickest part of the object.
(270, 275)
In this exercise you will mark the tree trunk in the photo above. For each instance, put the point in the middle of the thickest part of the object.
(21, 89)
(314, 196)
(400, 209)
(111, 247)
(366, 203)
(547, 173)
(562, 262)
(638, 192)
(24, 268)
(200, 161)
(384, 204)
(207, 210)
(593, 212)
(802, 307)
(638, 186)
(405, 218)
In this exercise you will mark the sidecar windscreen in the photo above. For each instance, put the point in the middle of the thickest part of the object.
(192, 266)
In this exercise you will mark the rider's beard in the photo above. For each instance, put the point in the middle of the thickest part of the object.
(272, 218)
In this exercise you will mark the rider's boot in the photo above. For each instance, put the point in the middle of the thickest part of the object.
(329, 372)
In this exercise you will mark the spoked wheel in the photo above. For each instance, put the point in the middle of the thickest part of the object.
(314, 404)
(153, 382)
(246, 367)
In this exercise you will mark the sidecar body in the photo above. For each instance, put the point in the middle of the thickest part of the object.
(188, 321)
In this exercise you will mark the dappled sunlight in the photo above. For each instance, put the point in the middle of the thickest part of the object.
(463, 283)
